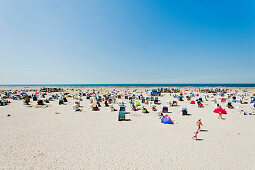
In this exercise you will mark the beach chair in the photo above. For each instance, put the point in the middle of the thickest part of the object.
(159, 113)
(55, 96)
(143, 100)
(121, 103)
(229, 105)
(214, 100)
(95, 108)
(121, 115)
(253, 107)
(112, 108)
(156, 100)
(240, 110)
(76, 107)
(25, 102)
(174, 103)
(27, 98)
(34, 98)
(133, 107)
(60, 102)
(165, 109)
(98, 104)
(151, 103)
(223, 100)
(64, 99)
(153, 108)
(40, 102)
(77, 103)
(184, 111)
(106, 103)
(122, 109)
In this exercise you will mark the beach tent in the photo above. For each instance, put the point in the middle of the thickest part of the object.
(253, 102)
(192, 102)
(154, 91)
(137, 103)
(220, 110)
(167, 120)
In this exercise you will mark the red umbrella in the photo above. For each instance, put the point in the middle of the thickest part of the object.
(220, 110)
(192, 102)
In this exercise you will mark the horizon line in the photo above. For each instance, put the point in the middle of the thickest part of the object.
(140, 84)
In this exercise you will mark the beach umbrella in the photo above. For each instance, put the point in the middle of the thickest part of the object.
(192, 102)
(220, 110)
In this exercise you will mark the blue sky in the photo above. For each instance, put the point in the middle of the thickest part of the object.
(127, 41)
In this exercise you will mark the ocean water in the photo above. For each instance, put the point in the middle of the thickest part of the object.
(135, 85)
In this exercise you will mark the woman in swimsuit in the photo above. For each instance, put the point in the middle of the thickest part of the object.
(195, 135)
(199, 123)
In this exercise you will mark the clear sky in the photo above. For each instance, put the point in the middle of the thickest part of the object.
(127, 41)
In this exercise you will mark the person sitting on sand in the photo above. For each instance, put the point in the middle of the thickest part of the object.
(229, 105)
(220, 115)
(106, 103)
(200, 105)
(199, 123)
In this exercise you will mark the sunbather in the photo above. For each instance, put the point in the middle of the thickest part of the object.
(200, 105)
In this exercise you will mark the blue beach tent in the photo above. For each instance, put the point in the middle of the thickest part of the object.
(167, 120)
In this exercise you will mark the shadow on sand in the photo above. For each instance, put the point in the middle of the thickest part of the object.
(200, 139)
(203, 130)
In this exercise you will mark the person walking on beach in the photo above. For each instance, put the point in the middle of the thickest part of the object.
(199, 123)
(195, 135)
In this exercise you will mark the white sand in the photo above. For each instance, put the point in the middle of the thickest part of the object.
(37, 138)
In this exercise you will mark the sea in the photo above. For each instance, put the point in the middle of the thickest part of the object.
(134, 85)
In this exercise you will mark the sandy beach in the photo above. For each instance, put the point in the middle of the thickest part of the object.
(127, 84)
(54, 136)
